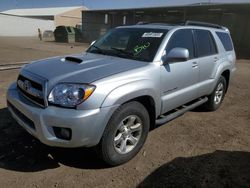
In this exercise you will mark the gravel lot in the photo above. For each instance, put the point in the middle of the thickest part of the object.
(199, 149)
(20, 49)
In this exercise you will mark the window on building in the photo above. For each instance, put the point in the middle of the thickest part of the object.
(124, 20)
(106, 19)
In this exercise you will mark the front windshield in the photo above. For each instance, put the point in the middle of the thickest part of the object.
(132, 43)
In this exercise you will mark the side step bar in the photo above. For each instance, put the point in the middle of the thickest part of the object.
(180, 112)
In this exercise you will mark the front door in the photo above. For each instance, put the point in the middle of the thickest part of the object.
(179, 79)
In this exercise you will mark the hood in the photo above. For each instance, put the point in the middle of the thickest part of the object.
(87, 68)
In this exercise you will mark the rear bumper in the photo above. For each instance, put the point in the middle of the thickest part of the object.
(87, 126)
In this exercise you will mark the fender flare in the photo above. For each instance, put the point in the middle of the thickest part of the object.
(132, 90)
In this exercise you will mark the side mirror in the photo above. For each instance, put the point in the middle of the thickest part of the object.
(93, 42)
(176, 55)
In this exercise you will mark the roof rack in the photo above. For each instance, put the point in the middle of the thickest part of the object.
(203, 24)
(188, 22)
(155, 23)
(166, 24)
(142, 23)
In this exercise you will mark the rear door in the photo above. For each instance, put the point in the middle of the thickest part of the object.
(179, 79)
(208, 59)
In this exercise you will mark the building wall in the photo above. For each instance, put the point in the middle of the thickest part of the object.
(20, 26)
(235, 17)
(94, 25)
(70, 18)
(237, 22)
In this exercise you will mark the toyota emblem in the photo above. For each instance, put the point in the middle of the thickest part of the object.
(26, 85)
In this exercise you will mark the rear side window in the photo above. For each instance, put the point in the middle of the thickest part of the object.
(182, 39)
(225, 40)
(205, 43)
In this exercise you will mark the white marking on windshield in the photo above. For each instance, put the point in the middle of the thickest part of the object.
(152, 35)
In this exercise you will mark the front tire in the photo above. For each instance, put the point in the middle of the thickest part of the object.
(125, 134)
(216, 98)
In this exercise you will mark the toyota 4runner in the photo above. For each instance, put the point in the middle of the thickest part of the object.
(127, 82)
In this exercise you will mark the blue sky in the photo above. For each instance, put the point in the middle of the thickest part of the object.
(99, 4)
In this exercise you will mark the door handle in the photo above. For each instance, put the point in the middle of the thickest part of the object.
(216, 59)
(194, 64)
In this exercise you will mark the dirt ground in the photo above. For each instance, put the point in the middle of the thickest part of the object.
(199, 149)
(21, 49)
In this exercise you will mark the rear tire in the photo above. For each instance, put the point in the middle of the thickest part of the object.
(125, 134)
(216, 98)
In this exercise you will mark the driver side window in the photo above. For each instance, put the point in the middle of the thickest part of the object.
(182, 38)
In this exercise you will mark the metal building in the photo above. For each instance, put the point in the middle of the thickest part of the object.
(235, 16)
(14, 26)
(25, 22)
(70, 16)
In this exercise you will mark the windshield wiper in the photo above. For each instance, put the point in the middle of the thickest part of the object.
(129, 54)
(124, 52)
(99, 50)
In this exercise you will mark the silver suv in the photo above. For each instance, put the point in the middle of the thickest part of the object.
(129, 81)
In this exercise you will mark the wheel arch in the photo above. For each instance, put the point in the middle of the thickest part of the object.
(149, 103)
(226, 75)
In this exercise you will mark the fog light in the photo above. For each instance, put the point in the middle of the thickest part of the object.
(62, 133)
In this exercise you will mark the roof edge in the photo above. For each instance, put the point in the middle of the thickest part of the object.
(174, 6)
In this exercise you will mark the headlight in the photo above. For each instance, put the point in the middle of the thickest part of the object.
(70, 95)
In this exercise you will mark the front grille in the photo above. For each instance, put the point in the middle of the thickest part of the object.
(31, 90)
(21, 116)
(33, 83)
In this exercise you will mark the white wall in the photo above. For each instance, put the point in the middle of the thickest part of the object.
(19, 26)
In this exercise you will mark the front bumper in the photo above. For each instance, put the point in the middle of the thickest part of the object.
(87, 126)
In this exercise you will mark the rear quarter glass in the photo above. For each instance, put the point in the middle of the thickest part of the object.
(225, 40)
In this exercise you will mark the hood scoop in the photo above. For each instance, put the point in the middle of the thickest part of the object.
(72, 59)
